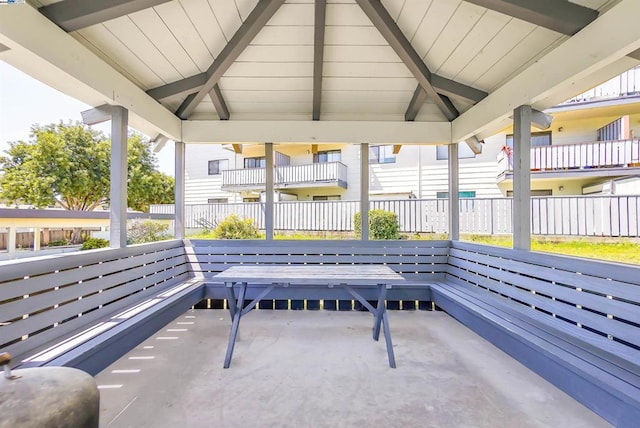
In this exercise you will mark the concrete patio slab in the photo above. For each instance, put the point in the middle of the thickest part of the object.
(322, 369)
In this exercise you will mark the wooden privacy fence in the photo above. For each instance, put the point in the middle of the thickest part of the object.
(615, 216)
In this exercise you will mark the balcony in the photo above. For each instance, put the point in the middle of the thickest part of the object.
(602, 158)
(329, 174)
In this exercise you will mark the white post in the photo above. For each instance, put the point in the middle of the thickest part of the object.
(454, 190)
(522, 178)
(118, 193)
(364, 191)
(36, 239)
(268, 212)
(179, 190)
(11, 241)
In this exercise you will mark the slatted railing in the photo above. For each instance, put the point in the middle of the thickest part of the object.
(596, 301)
(43, 300)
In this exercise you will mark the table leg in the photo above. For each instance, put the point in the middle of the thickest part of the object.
(382, 295)
(231, 299)
(237, 313)
(387, 338)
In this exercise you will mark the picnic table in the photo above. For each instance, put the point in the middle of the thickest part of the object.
(353, 279)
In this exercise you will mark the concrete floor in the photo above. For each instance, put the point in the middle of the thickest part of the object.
(322, 369)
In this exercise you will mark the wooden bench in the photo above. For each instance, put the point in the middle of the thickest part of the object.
(575, 322)
(67, 310)
(419, 262)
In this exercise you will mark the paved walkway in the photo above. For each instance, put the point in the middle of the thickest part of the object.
(322, 369)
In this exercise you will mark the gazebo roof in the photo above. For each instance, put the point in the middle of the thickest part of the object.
(402, 71)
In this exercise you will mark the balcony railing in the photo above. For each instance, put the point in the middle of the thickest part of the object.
(624, 85)
(308, 175)
(601, 154)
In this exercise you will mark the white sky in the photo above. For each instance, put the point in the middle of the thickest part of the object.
(25, 101)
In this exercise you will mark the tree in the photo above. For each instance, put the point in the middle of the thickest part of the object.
(68, 165)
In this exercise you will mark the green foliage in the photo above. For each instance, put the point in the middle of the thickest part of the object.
(68, 165)
(233, 227)
(93, 243)
(141, 231)
(58, 243)
(382, 225)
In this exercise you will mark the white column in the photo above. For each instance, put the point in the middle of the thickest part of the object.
(454, 190)
(179, 190)
(118, 192)
(36, 239)
(522, 178)
(364, 191)
(11, 241)
(268, 212)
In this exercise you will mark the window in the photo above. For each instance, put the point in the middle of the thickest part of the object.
(537, 139)
(464, 152)
(461, 195)
(217, 166)
(259, 162)
(327, 198)
(217, 200)
(250, 200)
(381, 154)
(327, 156)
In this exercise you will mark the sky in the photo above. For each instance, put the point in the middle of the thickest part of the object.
(25, 101)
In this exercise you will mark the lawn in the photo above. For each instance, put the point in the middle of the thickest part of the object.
(621, 251)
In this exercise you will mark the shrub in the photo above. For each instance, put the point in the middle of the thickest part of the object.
(234, 227)
(58, 243)
(93, 243)
(141, 231)
(382, 225)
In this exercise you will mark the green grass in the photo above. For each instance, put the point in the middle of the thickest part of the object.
(620, 250)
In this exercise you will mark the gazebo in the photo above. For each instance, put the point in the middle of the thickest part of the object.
(365, 72)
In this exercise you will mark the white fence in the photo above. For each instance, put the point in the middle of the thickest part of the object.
(572, 215)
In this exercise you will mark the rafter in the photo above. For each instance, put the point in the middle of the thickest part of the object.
(318, 55)
(71, 15)
(180, 87)
(218, 102)
(259, 16)
(557, 15)
(397, 40)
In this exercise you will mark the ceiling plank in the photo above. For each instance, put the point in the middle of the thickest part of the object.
(557, 15)
(218, 102)
(259, 16)
(318, 55)
(179, 87)
(388, 28)
(71, 15)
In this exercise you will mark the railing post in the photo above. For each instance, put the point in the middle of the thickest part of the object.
(364, 191)
(522, 178)
(454, 188)
(179, 213)
(269, 208)
(118, 193)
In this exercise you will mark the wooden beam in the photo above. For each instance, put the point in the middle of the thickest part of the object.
(71, 15)
(314, 148)
(396, 148)
(558, 15)
(318, 55)
(237, 148)
(218, 102)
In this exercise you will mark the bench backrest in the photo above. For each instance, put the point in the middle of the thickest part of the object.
(47, 298)
(415, 260)
(600, 297)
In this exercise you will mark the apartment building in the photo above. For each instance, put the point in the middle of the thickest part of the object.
(590, 148)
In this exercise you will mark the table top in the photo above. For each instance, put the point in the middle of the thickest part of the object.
(311, 274)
